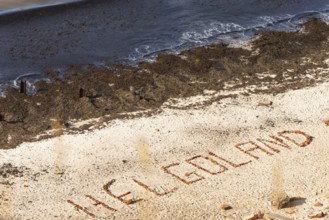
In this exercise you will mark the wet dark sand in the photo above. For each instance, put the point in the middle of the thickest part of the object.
(119, 88)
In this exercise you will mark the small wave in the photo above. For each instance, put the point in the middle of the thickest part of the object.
(268, 21)
(149, 52)
(324, 16)
(300, 18)
(144, 49)
(213, 29)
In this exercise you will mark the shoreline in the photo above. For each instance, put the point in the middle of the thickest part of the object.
(275, 62)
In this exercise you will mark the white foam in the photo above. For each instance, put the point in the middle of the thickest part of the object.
(210, 30)
(325, 16)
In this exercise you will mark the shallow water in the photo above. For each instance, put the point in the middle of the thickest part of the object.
(127, 31)
(17, 4)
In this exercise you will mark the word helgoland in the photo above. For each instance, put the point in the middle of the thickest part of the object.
(285, 139)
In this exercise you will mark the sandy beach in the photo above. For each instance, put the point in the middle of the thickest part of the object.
(180, 164)
(231, 142)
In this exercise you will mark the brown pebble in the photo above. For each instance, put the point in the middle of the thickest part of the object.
(225, 207)
(318, 214)
(326, 122)
(318, 204)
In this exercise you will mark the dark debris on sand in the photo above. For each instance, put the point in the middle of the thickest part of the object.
(7, 170)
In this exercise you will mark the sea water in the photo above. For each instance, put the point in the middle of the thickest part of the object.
(109, 31)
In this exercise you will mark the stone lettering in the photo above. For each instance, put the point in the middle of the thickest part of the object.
(308, 138)
(97, 202)
(166, 170)
(106, 187)
(277, 141)
(154, 191)
(252, 146)
(228, 162)
(220, 170)
(78, 207)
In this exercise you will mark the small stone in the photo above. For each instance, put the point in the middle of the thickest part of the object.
(265, 102)
(318, 214)
(225, 207)
(326, 122)
(280, 200)
(10, 117)
(318, 204)
(251, 217)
